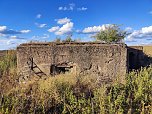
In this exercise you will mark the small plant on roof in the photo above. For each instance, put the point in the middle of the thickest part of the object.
(58, 40)
(68, 38)
(111, 34)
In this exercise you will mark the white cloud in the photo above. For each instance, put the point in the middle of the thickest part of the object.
(70, 7)
(2, 35)
(25, 31)
(78, 31)
(40, 25)
(92, 29)
(95, 29)
(38, 16)
(128, 29)
(3, 28)
(5, 31)
(15, 42)
(3, 41)
(82, 9)
(65, 29)
(147, 30)
(63, 8)
(53, 29)
(143, 33)
(44, 36)
(10, 42)
(60, 8)
(13, 37)
(16, 37)
(63, 20)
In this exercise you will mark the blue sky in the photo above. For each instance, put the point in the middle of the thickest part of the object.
(44, 20)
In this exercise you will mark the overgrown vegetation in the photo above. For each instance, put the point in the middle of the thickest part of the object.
(8, 74)
(111, 34)
(8, 63)
(69, 94)
(67, 39)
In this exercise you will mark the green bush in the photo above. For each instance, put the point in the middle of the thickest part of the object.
(112, 33)
(69, 94)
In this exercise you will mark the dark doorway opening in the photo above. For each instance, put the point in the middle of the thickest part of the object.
(60, 69)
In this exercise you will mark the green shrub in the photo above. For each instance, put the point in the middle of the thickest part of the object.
(69, 94)
(112, 33)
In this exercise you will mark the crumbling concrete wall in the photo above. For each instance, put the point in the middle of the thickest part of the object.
(104, 60)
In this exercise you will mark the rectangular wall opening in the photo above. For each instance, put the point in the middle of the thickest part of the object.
(61, 69)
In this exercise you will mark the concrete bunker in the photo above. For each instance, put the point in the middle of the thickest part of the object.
(81, 58)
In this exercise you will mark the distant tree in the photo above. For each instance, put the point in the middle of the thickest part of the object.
(68, 38)
(111, 34)
(58, 40)
(77, 40)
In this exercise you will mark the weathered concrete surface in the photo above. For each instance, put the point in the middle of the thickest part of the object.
(104, 60)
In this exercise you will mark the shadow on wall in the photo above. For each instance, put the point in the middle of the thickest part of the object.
(33, 67)
(137, 58)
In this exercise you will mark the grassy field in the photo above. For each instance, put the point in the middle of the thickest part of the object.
(2, 53)
(70, 94)
(148, 50)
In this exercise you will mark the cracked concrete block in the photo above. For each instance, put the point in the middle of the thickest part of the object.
(86, 58)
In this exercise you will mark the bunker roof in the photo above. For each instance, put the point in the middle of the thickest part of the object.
(70, 44)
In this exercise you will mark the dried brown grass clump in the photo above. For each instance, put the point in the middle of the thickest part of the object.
(8, 74)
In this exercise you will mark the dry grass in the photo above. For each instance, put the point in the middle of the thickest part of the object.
(148, 50)
(81, 94)
(8, 73)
